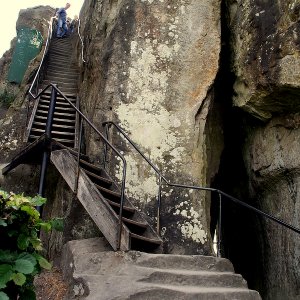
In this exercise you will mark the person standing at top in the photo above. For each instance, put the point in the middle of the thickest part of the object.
(62, 27)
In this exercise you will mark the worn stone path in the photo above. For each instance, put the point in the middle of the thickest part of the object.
(97, 273)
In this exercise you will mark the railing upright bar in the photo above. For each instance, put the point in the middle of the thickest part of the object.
(43, 58)
(78, 155)
(121, 206)
(82, 44)
(105, 146)
(46, 153)
(158, 205)
(219, 233)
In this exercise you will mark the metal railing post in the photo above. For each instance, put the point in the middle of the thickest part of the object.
(106, 132)
(78, 154)
(47, 151)
(158, 205)
(219, 233)
(122, 205)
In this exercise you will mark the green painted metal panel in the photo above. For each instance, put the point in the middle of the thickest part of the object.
(29, 44)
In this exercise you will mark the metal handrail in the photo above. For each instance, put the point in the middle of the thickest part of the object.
(213, 190)
(82, 44)
(43, 58)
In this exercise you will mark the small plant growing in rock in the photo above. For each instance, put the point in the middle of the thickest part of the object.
(20, 246)
(6, 98)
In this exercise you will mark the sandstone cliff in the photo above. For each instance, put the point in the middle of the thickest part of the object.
(265, 59)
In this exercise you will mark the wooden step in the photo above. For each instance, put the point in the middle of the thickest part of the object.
(43, 112)
(98, 178)
(89, 166)
(135, 227)
(61, 66)
(60, 108)
(63, 75)
(60, 103)
(63, 70)
(54, 125)
(59, 78)
(144, 244)
(61, 84)
(64, 141)
(58, 120)
(111, 195)
(127, 211)
(53, 132)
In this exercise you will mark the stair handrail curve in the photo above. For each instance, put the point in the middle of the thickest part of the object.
(49, 36)
(81, 40)
(106, 141)
(213, 190)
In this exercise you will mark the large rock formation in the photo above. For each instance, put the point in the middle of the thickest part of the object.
(266, 47)
(265, 51)
(13, 119)
(150, 67)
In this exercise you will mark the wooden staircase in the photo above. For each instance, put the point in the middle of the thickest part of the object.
(100, 196)
(61, 70)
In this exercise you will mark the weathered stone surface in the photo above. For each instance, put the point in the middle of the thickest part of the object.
(13, 119)
(94, 272)
(265, 42)
(272, 161)
(35, 18)
(150, 67)
(265, 58)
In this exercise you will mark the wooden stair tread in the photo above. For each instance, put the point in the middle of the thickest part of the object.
(64, 103)
(98, 177)
(114, 204)
(145, 239)
(84, 162)
(55, 119)
(57, 139)
(133, 222)
(102, 189)
(53, 131)
(57, 113)
(54, 125)
(48, 93)
(57, 107)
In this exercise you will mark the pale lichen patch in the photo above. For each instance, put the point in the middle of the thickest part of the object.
(191, 226)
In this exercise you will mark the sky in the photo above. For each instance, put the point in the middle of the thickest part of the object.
(10, 15)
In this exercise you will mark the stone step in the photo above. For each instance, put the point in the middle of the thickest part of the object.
(133, 275)
(169, 292)
(187, 262)
(187, 277)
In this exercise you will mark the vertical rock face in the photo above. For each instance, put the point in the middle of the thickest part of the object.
(265, 44)
(157, 62)
(265, 36)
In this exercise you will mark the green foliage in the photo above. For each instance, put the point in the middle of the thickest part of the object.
(20, 260)
(6, 98)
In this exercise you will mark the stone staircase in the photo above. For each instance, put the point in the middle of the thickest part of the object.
(96, 273)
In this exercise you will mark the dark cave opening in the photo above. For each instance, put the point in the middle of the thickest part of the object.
(240, 233)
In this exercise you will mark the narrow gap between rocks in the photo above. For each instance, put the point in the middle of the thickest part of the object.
(239, 233)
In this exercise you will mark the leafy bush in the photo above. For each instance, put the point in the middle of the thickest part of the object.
(6, 98)
(20, 258)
